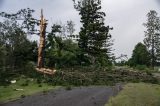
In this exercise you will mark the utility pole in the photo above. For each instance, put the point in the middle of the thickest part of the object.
(43, 25)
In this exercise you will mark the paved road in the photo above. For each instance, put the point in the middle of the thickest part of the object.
(81, 96)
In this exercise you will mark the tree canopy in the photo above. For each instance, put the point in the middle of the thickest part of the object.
(140, 56)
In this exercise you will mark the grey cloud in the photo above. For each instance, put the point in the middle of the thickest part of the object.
(158, 1)
(1, 3)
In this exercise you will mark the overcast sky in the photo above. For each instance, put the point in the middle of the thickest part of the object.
(125, 16)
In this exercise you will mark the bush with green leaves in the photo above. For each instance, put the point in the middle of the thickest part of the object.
(141, 67)
(140, 56)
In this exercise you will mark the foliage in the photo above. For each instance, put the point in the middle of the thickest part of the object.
(59, 52)
(79, 64)
(23, 18)
(17, 49)
(95, 40)
(95, 76)
(141, 67)
(70, 28)
(140, 56)
(152, 36)
(138, 94)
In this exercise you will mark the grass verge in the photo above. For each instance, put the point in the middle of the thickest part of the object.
(137, 94)
(9, 93)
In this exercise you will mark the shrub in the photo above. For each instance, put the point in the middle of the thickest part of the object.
(23, 96)
(39, 85)
(68, 87)
(141, 67)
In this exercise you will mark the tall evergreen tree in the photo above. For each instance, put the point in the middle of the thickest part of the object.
(152, 36)
(95, 39)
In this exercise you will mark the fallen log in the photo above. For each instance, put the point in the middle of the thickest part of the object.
(46, 71)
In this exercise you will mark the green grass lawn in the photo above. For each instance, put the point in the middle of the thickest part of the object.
(8, 93)
(137, 94)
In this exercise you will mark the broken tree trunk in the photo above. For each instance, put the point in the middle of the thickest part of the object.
(41, 48)
(40, 65)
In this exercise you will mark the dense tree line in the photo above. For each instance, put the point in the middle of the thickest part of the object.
(148, 53)
(16, 48)
(18, 53)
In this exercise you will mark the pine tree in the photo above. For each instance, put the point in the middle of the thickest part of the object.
(95, 39)
(152, 36)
